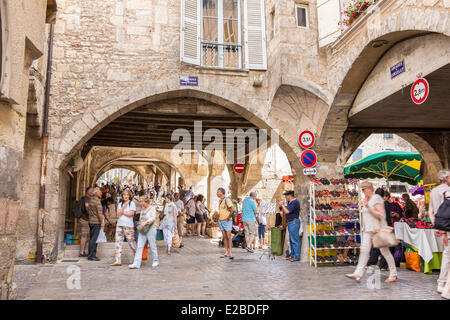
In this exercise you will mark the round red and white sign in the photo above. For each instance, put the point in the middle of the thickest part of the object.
(419, 91)
(308, 158)
(239, 168)
(306, 139)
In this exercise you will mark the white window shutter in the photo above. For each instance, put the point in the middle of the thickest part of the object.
(255, 35)
(190, 31)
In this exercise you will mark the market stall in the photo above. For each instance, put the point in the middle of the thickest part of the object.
(390, 165)
(423, 240)
(334, 221)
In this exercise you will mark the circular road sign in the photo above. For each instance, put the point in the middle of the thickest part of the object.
(308, 158)
(419, 91)
(239, 168)
(306, 139)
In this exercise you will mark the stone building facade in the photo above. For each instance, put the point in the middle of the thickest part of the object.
(124, 61)
(23, 73)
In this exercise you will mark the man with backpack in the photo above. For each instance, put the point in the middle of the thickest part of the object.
(436, 200)
(226, 211)
(80, 212)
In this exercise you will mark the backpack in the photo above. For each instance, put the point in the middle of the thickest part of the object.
(442, 217)
(78, 210)
(235, 213)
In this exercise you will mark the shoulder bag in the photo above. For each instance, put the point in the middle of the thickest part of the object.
(384, 237)
(144, 229)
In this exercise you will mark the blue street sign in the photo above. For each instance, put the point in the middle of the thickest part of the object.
(189, 81)
(397, 69)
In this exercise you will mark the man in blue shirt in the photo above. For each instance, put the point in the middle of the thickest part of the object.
(249, 213)
(291, 210)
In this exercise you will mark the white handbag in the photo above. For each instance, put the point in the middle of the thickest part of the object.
(384, 237)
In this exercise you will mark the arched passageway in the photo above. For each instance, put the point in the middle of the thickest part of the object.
(157, 125)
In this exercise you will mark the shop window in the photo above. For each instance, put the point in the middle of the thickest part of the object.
(302, 16)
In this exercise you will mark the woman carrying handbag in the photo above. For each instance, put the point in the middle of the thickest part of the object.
(373, 220)
(147, 231)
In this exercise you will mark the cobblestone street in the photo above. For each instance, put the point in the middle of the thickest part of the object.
(196, 272)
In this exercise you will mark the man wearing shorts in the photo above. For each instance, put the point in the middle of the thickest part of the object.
(226, 210)
(249, 213)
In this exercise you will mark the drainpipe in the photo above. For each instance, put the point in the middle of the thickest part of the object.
(44, 153)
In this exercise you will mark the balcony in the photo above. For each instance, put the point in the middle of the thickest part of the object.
(221, 56)
(332, 20)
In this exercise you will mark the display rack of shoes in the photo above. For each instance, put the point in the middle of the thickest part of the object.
(334, 221)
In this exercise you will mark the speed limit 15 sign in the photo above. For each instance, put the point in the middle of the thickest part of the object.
(306, 139)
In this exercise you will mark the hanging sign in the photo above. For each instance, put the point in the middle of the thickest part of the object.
(308, 158)
(306, 139)
(419, 91)
(239, 168)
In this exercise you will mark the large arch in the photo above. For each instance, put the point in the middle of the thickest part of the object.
(354, 56)
(70, 144)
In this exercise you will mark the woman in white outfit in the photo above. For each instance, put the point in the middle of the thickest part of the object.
(373, 218)
(147, 231)
(125, 226)
(169, 223)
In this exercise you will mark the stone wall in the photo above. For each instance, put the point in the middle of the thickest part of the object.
(24, 35)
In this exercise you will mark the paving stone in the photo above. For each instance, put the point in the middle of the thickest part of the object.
(196, 272)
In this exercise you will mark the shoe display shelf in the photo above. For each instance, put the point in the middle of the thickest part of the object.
(334, 221)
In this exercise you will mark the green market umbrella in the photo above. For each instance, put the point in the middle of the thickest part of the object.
(390, 165)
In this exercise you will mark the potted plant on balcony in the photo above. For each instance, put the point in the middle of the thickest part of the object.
(354, 10)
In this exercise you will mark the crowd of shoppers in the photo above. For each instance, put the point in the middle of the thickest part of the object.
(378, 210)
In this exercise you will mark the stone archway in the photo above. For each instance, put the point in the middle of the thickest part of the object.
(354, 56)
(63, 148)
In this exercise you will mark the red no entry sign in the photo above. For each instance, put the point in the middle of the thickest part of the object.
(239, 168)
(419, 91)
(306, 139)
(308, 158)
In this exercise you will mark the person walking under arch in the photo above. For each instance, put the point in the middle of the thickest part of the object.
(125, 226)
(226, 210)
(169, 222)
(95, 211)
(147, 232)
(373, 218)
